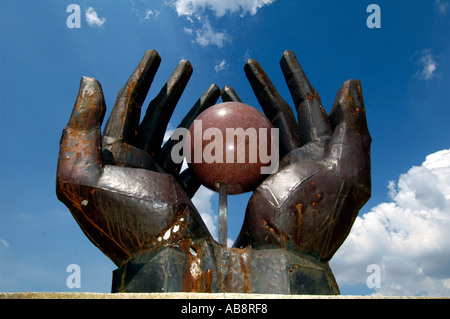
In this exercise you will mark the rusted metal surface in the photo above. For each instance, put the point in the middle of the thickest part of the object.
(210, 267)
(131, 201)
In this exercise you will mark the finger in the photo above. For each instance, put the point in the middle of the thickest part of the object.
(153, 126)
(275, 108)
(312, 118)
(124, 119)
(79, 158)
(209, 98)
(229, 94)
(349, 146)
(89, 109)
(348, 152)
(349, 107)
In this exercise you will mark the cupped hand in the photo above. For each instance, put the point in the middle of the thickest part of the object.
(122, 186)
(310, 204)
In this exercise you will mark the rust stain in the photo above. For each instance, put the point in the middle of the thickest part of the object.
(245, 270)
(298, 234)
(209, 279)
(268, 226)
(272, 229)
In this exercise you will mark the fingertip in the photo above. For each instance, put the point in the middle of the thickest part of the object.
(288, 52)
(349, 107)
(146, 70)
(252, 66)
(186, 66)
(149, 54)
(288, 55)
(181, 75)
(89, 108)
(213, 89)
(251, 61)
(89, 86)
(229, 94)
(210, 97)
(296, 79)
(261, 84)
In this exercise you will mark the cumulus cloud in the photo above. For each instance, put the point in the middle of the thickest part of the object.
(196, 12)
(207, 35)
(151, 14)
(219, 7)
(92, 18)
(220, 66)
(428, 64)
(407, 238)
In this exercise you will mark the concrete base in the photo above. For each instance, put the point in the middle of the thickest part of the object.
(180, 295)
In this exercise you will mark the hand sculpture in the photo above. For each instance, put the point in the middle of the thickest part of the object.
(324, 176)
(130, 200)
(121, 187)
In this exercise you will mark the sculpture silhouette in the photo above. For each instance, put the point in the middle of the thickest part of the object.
(132, 202)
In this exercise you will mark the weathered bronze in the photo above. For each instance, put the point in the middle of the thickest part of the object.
(131, 201)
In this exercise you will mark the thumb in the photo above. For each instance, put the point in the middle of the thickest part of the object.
(89, 108)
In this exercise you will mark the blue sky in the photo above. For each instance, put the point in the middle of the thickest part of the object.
(403, 67)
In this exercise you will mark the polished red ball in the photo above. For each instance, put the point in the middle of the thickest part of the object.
(235, 128)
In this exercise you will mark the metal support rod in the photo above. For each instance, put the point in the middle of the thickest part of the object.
(223, 214)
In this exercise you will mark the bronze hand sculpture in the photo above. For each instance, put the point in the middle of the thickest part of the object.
(130, 199)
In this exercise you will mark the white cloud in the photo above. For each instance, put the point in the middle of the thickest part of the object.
(407, 237)
(206, 35)
(151, 13)
(202, 201)
(4, 242)
(219, 7)
(442, 6)
(428, 63)
(92, 18)
(196, 12)
(220, 66)
(143, 13)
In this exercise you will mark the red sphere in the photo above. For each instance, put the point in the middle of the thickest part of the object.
(220, 137)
